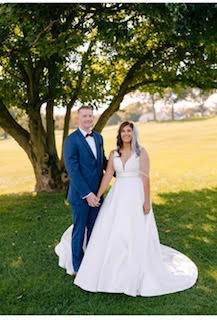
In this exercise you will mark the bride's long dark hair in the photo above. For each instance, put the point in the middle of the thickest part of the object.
(134, 142)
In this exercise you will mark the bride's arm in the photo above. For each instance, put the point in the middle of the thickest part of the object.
(107, 176)
(144, 170)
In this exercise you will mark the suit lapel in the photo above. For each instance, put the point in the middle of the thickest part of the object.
(84, 142)
(97, 148)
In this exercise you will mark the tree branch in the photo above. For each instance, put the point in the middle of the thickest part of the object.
(75, 95)
(24, 73)
(13, 128)
(50, 123)
(46, 29)
(149, 82)
(51, 142)
(115, 104)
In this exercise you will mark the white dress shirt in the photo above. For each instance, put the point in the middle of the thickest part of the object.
(92, 144)
(90, 141)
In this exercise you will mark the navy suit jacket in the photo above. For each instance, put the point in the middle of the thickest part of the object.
(84, 170)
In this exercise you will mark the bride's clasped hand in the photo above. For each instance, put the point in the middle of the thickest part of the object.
(146, 207)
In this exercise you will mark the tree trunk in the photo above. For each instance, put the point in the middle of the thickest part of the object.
(116, 101)
(124, 89)
(153, 108)
(172, 112)
(74, 98)
(105, 116)
(40, 152)
(154, 113)
(47, 175)
(66, 130)
(44, 156)
(202, 109)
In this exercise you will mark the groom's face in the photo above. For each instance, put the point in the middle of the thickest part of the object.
(85, 119)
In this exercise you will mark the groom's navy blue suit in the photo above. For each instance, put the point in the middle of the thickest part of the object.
(85, 172)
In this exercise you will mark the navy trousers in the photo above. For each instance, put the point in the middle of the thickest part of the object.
(84, 217)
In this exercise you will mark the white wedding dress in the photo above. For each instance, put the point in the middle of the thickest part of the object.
(124, 254)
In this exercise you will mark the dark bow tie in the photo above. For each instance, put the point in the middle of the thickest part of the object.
(89, 134)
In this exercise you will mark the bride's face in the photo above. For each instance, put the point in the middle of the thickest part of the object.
(127, 134)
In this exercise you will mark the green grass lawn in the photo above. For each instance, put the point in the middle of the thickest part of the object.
(184, 192)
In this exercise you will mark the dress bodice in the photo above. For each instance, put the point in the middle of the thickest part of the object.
(131, 167)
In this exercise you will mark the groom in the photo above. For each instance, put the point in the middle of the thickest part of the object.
(84, 160)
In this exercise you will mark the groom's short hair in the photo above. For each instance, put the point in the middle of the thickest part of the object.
(89, 107)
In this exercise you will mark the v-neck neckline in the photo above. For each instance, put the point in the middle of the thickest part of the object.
(124, 164)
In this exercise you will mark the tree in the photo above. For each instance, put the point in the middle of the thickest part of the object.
(132, 111)
(195, 95)
(149, 99)
(94, 53)
(38, 46)
(172, 45)
(171, 97)
(32, 51)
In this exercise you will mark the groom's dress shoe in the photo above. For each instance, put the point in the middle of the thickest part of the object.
(74, 274)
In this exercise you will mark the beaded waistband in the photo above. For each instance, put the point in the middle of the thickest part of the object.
(127, 175)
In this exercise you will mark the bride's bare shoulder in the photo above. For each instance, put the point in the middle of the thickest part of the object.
(112, 153)
(143, 151)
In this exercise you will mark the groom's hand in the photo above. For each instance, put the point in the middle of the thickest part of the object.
(92, 200)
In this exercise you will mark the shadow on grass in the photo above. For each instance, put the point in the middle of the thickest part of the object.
(187, 221)
(191, 219)
(32, 282)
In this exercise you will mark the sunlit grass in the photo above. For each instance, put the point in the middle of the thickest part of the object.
(183, 156)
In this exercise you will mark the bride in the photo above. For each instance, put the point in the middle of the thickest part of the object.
(124, 254)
